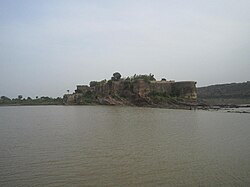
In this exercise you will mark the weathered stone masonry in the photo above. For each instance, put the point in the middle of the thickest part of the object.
(140, 88)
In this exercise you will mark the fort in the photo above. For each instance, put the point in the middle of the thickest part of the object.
(139, 90)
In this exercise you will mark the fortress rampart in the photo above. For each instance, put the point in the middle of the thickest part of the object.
(136, 89)
(133, 89)
(185, 89)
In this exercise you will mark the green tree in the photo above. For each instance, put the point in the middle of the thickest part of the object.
(5, 98)
(146, 78)
(116, 76)
(93, 83)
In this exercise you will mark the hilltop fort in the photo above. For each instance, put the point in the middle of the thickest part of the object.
(138, 90)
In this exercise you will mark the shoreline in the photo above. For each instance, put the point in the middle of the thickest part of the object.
(1, 105)
(245, 108)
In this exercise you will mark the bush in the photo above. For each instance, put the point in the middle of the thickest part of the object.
(146, 78)
(116, 76)
(159, 96)
(5, 98)
(93, 83)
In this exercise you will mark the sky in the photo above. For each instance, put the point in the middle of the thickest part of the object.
(50, 46)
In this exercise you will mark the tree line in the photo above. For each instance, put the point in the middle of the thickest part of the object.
(20, 100)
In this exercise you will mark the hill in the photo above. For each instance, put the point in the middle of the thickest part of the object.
(233, 93)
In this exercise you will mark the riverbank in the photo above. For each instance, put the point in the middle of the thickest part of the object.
(113, 102)
(230, 108)
(159, 102)
(151, 102)
(240, 110)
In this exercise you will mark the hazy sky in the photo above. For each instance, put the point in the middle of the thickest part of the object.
(49, 46)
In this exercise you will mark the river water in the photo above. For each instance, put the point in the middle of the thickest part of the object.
(122, 146)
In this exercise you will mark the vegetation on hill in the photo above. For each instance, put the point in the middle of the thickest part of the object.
(233, 90)
(29, 101)
(146, 78)
(117, 76)
(234, 93)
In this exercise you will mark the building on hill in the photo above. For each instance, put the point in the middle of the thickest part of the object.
(131, 89)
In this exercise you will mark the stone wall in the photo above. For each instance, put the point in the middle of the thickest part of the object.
(116, 87)
(161, 87)
(82, 88)
(102, 89)
(139, 88)
(185, 89)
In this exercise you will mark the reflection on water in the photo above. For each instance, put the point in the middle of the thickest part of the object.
(122, 146)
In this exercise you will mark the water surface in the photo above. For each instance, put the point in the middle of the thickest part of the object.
(122, 146)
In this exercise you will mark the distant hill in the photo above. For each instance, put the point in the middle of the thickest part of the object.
(234, 93)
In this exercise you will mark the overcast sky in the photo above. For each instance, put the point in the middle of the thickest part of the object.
(49, 46)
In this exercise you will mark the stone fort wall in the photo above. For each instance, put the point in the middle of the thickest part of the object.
(184, 89)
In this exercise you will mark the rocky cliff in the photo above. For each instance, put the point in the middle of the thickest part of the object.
(139, 90)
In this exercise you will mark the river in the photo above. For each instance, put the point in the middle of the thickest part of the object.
(122, 146)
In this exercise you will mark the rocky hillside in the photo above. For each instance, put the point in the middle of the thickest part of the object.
(233, 90)
(234, 93)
